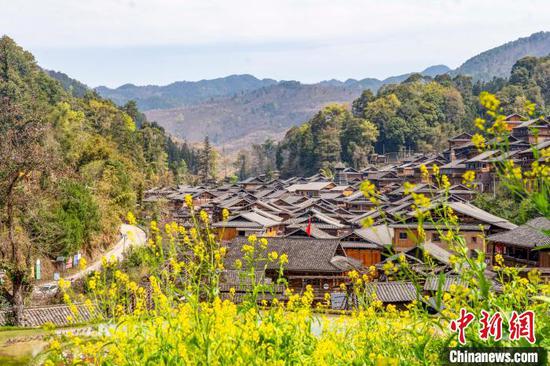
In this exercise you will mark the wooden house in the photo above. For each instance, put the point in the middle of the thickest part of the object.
(251, 184)
(460, 140)
(519, 246)
(368, 244)
(475, 224)
(321, 263)
(318, 220)
(257, 222)
(514, 120)
(311, 189)
(533, 131)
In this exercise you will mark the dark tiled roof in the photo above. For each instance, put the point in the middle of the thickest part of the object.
(56, 314)
(528, 235)
(304, 254)
(432, 283)
(316, 232)
(393, 291)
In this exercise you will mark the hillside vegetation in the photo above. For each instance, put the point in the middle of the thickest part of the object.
(70, 168)
(183, 93)
(419, 114)
(498, 61)
(240, 109)
(271, 110)
(263, 113)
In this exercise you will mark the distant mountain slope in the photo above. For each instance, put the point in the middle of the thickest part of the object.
(238, 109)
(498, 61)
(261, 113)
(186, 93)
(183, 93)
(75, 87)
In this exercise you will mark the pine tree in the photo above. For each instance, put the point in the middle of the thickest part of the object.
(207, 161)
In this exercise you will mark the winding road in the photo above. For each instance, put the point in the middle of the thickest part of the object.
(131, 236)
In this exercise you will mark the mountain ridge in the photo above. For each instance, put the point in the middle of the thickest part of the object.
(498, 61)
(150, 97)
(228, 109)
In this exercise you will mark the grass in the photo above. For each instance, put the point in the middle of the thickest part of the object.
(20, 353)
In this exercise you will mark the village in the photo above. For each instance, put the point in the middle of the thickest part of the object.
(319, 223)
(274, 183)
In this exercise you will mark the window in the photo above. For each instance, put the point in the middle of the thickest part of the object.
(474, 239)
(519, 253)
(403, 235)
(534, 255)
(435, 237)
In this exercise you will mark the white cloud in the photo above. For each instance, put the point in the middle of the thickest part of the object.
(150, 22)
(339, 36)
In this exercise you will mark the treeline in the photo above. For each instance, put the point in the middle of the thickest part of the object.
(419, 115)
(70, 167)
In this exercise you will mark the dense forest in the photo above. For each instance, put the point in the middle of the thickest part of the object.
(417, 115)
(70, 167)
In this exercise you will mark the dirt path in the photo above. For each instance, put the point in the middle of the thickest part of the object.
(131, 236)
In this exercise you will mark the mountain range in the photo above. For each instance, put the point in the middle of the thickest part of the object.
(185, 93)
(238, 109)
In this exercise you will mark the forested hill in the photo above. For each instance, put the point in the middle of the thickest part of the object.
(245, 117)
(70, 167)
(189, 93)
(183, 93)
(498, 61)
(262, 113)
(419, 114)
(240, 109)
(73, 86)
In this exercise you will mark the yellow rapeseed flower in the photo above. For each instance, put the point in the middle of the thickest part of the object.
(273, 256)
(204, 216)
(238, 264)
(367, 188)
(408, 187)
(445, 182)
(468, 177)
(367, 222)
(489, 101)
(263, 243)
(424, 171)
(82, 263)
(131, 218)
(189, 201)
(478, 141)
(480, 123)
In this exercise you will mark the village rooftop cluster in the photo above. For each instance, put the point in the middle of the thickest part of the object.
(319, 222)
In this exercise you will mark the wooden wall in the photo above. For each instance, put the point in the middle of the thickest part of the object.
(368, 257)
(409, 242)
(544, 258)
(227, 234)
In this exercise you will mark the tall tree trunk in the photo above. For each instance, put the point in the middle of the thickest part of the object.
(18, 297)
(17, 265)
(11, 231)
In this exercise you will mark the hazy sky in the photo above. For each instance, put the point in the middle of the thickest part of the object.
(112, 42)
